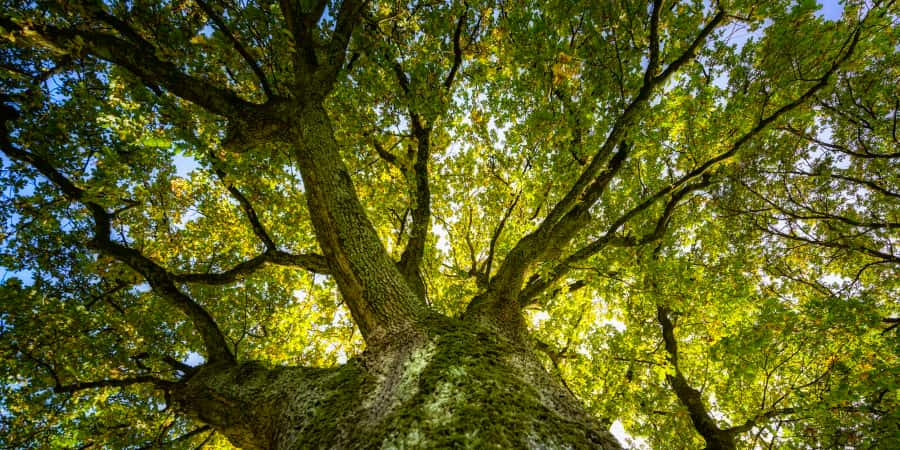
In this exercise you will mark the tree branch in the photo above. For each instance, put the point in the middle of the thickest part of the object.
(386, 155)
(715, 437)
(871, 185)
(381, 299)
(699, 171)
(411, 258)
(570, 214)
(123, 382)
(311, 262)
(178, 365)
(300, 24)
(246, 206)
(691, 51)
(348, 18)
(163, 284)
(184, 437)
(254, 65)
(492, 247)
(653, 60)
(138, 56)
(457, 49)
(754, 421)
(893, 323)
(813, 214)
(835, 243)
(413, 253)
(538, 284)
(161, 281)
(628, 117)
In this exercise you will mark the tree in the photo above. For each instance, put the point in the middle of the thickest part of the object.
(477, 224)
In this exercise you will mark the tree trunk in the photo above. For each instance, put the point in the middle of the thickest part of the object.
(449, 385)
(425, 381)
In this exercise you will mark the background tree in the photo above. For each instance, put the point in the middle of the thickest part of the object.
(514, 224)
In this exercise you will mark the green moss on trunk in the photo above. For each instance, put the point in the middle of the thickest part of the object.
(459, 387)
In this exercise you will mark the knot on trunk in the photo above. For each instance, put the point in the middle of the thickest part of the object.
(261, 125)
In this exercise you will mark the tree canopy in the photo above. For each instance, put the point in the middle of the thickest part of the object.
(691, 205)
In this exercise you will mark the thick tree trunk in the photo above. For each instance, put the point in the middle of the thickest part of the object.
(453, 385)
(425, 381)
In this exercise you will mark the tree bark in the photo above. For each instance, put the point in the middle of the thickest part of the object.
(377, 294)
(450, 385)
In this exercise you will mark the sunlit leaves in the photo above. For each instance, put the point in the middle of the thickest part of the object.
(779, 273)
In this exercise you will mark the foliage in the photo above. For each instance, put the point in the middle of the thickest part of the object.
(699, 194)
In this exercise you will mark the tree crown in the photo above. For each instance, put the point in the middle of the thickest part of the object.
(689, 209)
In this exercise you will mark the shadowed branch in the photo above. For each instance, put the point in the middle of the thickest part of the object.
(161, 281)
(254, 65)
(122, 382)
(135, 54)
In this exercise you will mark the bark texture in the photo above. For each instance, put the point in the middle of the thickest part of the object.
(453, 385)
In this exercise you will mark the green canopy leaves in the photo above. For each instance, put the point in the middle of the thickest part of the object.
(674, 194)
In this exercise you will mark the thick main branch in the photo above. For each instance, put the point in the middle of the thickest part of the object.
(138, 56)
(571, 213)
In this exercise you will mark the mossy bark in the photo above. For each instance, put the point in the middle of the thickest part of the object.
(455, 385)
